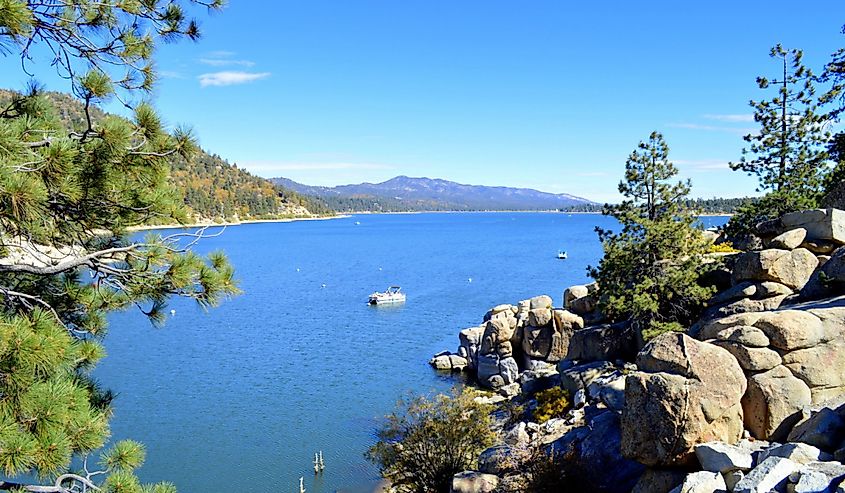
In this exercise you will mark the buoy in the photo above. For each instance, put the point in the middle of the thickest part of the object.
(469, 280)
(172, 312)
(323, 285)
(297, 269)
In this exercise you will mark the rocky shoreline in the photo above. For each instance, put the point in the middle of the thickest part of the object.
(750, 399)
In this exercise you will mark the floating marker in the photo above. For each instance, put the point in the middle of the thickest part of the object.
(172, 312)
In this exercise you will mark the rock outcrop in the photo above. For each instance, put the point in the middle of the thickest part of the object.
(791, 268)
(751, 399)
(686, 392)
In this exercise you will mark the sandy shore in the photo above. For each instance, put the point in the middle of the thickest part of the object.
(238, 223)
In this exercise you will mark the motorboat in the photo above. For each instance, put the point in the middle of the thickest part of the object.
(562, 254)
(393, 294)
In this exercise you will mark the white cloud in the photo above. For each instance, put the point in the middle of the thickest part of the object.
(265, 166)
(223, 62)
(229, 78)
(731, 118)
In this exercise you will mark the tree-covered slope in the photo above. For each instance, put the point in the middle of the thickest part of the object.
(212, 188)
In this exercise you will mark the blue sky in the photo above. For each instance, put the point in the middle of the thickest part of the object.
(551, 95)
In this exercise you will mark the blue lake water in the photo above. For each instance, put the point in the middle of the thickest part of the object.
(240, 398)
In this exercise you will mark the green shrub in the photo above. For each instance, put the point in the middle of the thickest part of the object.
(551, 403)
(426, 441)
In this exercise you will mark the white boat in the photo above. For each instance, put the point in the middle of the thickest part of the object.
(562, 255)
(391, 295)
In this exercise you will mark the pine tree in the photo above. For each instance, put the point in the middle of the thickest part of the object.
(650, 268)
(67, 197)
(834, 72)
(788, 155)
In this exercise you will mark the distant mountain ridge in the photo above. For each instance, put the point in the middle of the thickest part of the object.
(404, 193)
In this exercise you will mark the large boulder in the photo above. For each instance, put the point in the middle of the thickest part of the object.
(537, 341)
(746, 335)
(771, 474)
(565, 324)
(583, 305)
(542, 301)
(575, 378)
(603, 343)
(702, 482)
(801, 453)
(609, 389)
(722, 457)
(572, 293)
(687, 392)
(821, 224)
(744, 305)
(497, 330)
(470, 342)
(824, 428)
(487, 368)
(792, 329)
(751, 358)
(509, 370)
(592, 457)
(821, 367)
(792, 268)
(773, 403)
(829, 279)
(540, 317)
(789, 240)
(474, 482)
(441, 362)
(787, 330)
(750, 289)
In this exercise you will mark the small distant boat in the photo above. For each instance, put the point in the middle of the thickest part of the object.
(391, 295)
(562, 254)
(357, 223)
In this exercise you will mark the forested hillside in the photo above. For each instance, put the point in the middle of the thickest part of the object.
(700, 206)
(212, 188)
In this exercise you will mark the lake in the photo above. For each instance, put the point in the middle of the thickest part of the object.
(240, 398)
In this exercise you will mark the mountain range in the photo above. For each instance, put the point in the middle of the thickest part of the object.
(404, 193)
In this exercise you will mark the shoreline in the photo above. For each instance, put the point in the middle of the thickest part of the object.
(362, 213)
(347, 215)
(233, 223)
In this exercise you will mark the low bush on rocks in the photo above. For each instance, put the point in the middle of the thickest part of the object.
(551, 403)
(428, 440)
